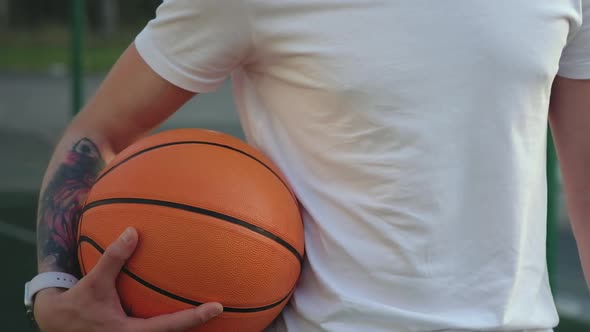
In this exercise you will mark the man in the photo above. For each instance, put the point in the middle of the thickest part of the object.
(413, 133)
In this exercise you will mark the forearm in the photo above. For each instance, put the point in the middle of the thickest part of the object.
(75, 165)
(132, 100)
(583, 239)
(578, 202)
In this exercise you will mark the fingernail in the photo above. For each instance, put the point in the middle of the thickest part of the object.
(215, 311)
(126, 236)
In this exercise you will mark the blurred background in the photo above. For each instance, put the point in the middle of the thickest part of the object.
(54, 54)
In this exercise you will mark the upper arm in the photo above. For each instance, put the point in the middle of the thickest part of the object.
(191, 46)
(569, 113)
(569, 117)
(575, 59)
(570, 123)
(195, 44)
(132, 100)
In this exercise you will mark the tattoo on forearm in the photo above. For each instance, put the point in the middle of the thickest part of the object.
(61, 204)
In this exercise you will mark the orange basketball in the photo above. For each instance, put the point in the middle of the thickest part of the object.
(216, 222)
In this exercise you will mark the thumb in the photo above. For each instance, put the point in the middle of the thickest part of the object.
(179, 321)
(114, 257)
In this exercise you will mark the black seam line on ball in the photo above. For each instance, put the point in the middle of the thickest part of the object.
(178, 297)
(195, 142)
(194, 209)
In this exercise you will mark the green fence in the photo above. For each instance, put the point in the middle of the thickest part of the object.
(77, 10)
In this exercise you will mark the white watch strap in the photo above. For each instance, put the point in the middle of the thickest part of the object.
(48, 280)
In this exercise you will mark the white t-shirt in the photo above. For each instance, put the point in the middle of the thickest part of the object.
(413, 133)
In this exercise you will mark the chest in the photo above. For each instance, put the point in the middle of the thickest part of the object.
(386, 48)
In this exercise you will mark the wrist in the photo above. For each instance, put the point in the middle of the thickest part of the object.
(44, 298)
(43, 287)
(49, 292)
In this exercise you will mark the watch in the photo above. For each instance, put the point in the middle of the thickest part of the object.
(42, 281)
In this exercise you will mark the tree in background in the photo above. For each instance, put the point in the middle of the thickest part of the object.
(109, 17)
(4, 10)
(103, 16)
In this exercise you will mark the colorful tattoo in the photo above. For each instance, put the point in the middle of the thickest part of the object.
(61, 204)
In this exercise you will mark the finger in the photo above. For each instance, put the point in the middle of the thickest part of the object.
(179, 321)
(114, 257)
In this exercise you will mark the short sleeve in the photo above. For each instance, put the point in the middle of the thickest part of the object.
(575, 59)
(196, 44)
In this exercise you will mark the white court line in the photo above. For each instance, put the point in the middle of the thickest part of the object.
(17, 233)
